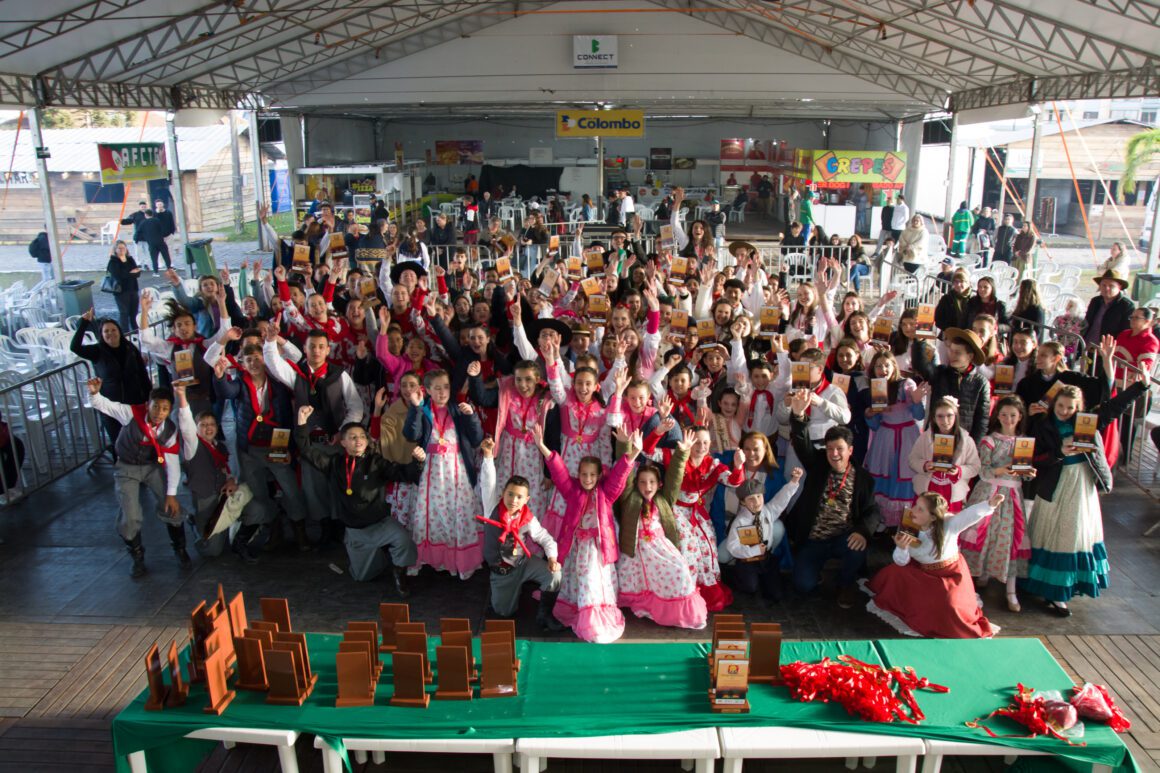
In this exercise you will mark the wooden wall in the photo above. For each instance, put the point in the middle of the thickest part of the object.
(1106, 143)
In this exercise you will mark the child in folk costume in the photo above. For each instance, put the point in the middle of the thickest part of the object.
(998, 546)
(726, 425)
(955, 483)
(184, 336)
(640, 416)
(750, 563)
(584, 424)
(698, 538)
(759, 398)
(587, 546)
(760, 466)
(654, 578)
(507, 529)
(445, 505)
(927, 591)
(316, 316)
(1068, 556)
(895, 428)
(523, 402)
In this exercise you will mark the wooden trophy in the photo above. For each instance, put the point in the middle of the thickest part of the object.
(219, 694)
(370, 639)
(389, 616)
(765, 653)
(156, 677)
(355, 685)
(462, 639)
(251, 663)
(725, 628)
(415, 642)
(409, 668)
(287, 688)
(298, 640)
(508, 627)
(454, 674)
(730, 686)
(237, 613)
(178, 689)
(262, 635)
(498, 674)
(264, 625)
(277, 611)
(449, 624)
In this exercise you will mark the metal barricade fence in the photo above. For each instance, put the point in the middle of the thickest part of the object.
(49, 414)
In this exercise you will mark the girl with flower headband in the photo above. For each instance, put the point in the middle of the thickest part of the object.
(951, 480)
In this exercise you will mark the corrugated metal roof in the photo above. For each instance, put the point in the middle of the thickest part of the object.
(984, 136)
(75, 150)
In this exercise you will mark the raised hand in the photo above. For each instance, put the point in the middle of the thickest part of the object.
(474, 369)
(665, 407)
(487, 448)
(280, 273)
(224, 276)
(799, 401)
(467, 409)
(738, 459)
(380, 400)
(173, 278)
(179, 393)
(796, 475)
(633, 445)
(94, 385)
(416, 398)
(234, 334)
(621, 379)
(418, 454)
(666, 425)
(686, 442)
(220, 367)
(304, 414)
(903, 541)
(88, 315)
(995, 500)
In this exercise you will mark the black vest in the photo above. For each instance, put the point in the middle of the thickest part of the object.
(134, 448)
(325, 397)
(258, 434)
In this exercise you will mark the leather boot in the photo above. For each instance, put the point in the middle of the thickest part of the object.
(137, 551)
(300, 538)
(399, 573)
(277, 539)
(241, 544)
(544, 617)
(328, 535)
(177, 540)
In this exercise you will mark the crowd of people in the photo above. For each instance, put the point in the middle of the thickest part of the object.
(631, 430)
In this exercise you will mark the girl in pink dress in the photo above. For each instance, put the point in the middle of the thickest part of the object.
(442, 520)
(522, 403)
(587, 544)
(895, 428)
(585, 424)
(952, 484)
(653, 577)
(698, 538)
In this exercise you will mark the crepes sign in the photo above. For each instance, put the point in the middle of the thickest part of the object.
(129, 161)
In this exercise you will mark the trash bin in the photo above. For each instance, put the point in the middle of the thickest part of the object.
(1145, 286)
(76, 296)
(199, 254)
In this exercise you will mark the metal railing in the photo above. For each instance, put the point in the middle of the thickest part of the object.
(53, 429)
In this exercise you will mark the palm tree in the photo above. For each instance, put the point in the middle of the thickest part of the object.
(1140, 150)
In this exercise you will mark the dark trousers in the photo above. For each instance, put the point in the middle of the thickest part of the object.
(813, 554)
(127, 305)
(161, 249)
(750, 577)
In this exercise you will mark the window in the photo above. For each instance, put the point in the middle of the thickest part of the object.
(1148, 116)
(1091, 115)
(95, 193)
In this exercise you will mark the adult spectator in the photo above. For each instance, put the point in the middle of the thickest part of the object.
(116, 361)
(885, 218)
(125, 270)
(984, 232)
(836, 513)
(862, 212)
(1117, 259)
(1025, 242)
(442, 235)
(1138, 347)
(806, 215)
(765, 194)
(953, 308)
(165, 216)
(961, 223)
(1108, 312)
(626, 206)
(40, 249)
(488, 207)
(1005, 239)
(1028, 314)
(959, 378)
(153, 233)
(139, 245)
(899, 217)
(912, 244)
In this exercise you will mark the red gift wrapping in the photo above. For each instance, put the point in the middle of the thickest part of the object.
(1032, 713)
(864, 690)
(1092, 701)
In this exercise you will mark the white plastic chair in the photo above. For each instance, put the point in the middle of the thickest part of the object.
(1061, 304)
(507, 216)
(108, 232)
(799, 267)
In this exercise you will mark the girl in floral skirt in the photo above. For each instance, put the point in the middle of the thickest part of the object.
(895, 430)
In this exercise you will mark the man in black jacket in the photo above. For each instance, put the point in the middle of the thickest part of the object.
(135, 220)
(40, 249)
(153, 233)
(1005, 239)
(1108, 312)
(836, 513)
(442, 238)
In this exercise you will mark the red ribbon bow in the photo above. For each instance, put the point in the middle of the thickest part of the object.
(509, 525)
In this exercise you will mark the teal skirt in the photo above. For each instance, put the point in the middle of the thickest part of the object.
(1068, 556)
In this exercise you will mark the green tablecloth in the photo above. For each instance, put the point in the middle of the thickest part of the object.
(576, 689)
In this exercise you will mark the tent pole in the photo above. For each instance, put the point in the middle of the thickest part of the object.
(179, 192)
(259, 173)
(34, 121)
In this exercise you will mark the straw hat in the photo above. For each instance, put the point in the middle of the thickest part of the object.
(738, 246)
(970, 338)
(1115, 276)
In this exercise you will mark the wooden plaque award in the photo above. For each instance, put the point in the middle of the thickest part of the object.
(706, 333)
(367, 638)
(251, 663)
(1004, 379)
(183, 367)
(285, 675)
(414, 642)
(408, 668)
(263, 630)
(279, 450)
(301, 259)
(1022, 458)
(765, 653)
(178, 689)
(498, 674)
(449, 624)
(907, 525)
(219, 694)
(678, 271)
(389, 616)
(508, 627)
(770, 321)
(591, 286)
(156, 678)
(883, 330)
(462, 639)
(237, 613)
(1086, 428)
(575, 268)
(841, 381)
(924, 321)
(879, 393)
(454, 674)
(355, 686)
(594, 259)
(276, 611)
(944, 452)
(799, 375)
(298, 640)
(599, 308)
(679, 324)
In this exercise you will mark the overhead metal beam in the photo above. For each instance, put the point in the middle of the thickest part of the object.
(49, 29)
(1141, 82)
(26, 91)
(1101, 37)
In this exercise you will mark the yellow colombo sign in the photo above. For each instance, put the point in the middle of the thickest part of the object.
(599, 123)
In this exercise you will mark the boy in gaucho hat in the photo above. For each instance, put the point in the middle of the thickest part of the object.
(958, 378)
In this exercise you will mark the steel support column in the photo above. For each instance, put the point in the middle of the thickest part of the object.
(34, 119)
(178, 185)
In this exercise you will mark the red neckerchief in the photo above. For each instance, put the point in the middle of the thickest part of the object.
(753, 404)
(221, 459)
(139, 414)
(312, 378)
(699, 478)
(528, 406)
(832, 493)
(683, 405)
(440, 429)
(260, 417)
(508, 525)
(582, 421)
(635, 421)
(181, 342)
(818, 391)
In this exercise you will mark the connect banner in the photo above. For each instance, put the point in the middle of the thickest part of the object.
(123, 162)
(599, 123)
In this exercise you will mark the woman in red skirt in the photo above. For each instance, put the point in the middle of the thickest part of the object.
(928, 590)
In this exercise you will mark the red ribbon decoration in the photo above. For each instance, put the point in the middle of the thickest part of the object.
(1027, 711)
(864, 690)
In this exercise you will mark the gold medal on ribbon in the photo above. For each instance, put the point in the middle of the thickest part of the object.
(161, 460)
(259, 418)
(349, 492)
